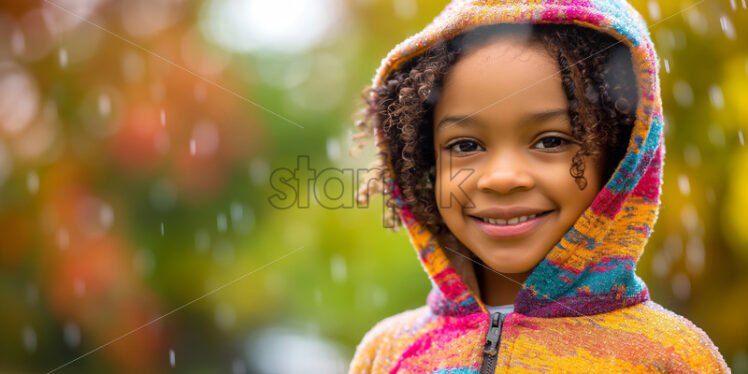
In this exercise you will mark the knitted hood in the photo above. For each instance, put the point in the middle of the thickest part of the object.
(591, 270)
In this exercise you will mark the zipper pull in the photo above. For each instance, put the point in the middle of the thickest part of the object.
(491, 346)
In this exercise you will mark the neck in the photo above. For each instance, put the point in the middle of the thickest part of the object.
(499, 288)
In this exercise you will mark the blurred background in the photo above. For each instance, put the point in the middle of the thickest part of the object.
(137, 143)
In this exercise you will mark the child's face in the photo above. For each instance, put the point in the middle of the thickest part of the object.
(502, 116)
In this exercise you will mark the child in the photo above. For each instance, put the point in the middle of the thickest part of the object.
(521, 144)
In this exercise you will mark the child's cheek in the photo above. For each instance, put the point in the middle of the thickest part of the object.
(452, 188)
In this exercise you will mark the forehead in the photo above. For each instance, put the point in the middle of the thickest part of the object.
(506, 78)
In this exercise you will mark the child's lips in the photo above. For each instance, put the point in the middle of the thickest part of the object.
(510, 230)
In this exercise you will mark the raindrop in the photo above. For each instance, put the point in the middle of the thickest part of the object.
(692, 155)
(237, 211)
(666, 39)
(106, 215)
(697, 21)
(202, 240)
(683, 93)
(333, 149)
(105, 105)
(743, 3)
(740, 137)
(716, 97)
(72, 335)
(338, 268)
(79, 286)
(193, 147)
(162, 229)
(733, 5)
(654, 10)
(20, 101)
(222, 222)
(63, 238)
(225, 317)
(244, 222)
(96, 216)
(28, 336)
(690, 218)
(681, 286)
(63, 57)
(163, 117)
(206, 138)
(684, 185)
(695, 255)
(727, 27)
(172, 359)
(32, 182)
(667, 66)
(717, 136)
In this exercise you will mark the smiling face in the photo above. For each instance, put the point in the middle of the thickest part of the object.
(503, 145)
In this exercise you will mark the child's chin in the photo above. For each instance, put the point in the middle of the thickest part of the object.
(509, 267)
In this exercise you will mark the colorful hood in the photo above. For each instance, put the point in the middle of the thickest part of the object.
(592, 269)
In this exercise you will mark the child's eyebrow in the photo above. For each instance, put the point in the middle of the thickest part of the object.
(536, 117)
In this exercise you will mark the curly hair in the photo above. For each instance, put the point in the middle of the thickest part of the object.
(597, 77)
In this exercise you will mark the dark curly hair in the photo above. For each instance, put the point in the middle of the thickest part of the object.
(597, 77)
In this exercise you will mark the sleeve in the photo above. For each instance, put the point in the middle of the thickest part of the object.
(383, 345)
(687, 348)
(704, 356)
(366, 353)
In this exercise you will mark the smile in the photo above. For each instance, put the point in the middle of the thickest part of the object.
(506, 228)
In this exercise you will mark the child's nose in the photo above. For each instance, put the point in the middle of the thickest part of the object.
(505, 173)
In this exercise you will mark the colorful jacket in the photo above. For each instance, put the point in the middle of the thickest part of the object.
(582, 309)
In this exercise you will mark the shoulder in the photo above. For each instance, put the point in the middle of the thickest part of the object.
(381, 346)
(682, 338)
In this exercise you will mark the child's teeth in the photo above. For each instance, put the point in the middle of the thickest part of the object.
(512, 221)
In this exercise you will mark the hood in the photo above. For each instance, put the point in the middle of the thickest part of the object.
(591, 270)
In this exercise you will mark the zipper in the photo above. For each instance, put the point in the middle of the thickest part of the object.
(491, 346)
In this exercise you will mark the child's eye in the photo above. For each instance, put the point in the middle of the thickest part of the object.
(550, 142)
(464, 146)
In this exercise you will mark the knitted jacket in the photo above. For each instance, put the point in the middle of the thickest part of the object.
(582, 309)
